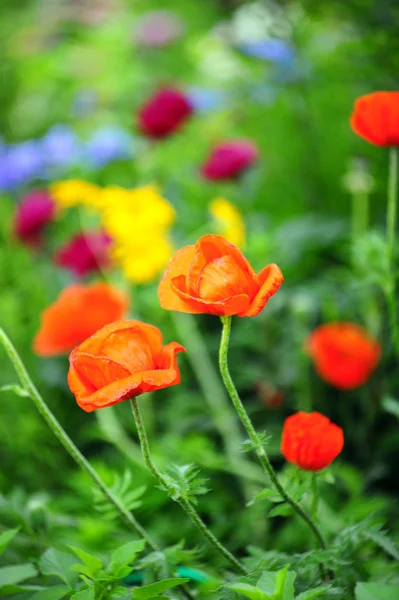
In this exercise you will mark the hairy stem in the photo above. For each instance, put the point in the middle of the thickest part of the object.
(66, 441)
(257, 444)
(175, 494)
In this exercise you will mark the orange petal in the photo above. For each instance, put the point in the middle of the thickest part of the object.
(178, 266)
(97, 371)
(270, 279)
(224, 308)
(207, 249)
(134, 347)
(111, 394)
(222, 279)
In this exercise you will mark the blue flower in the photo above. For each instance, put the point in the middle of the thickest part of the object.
(108, 144)
(204, 99)
(273, 50)
(60, 146)
(20, 163)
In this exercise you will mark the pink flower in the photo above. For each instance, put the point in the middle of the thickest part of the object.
(164, 113)
(229, 159)
(34, 212)
(85, 253)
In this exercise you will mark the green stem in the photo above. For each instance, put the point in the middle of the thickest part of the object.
(214, 393)
(360, 214)
(66, 441)
(391, 239)
(315, 496)
(175, 494)
(257, 443)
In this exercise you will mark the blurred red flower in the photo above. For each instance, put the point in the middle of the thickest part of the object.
(164, 113)
(345, 355)
(310, 441)
(85, 253)
(34, 212)
(121, 361)
(214, 277)
(78, 312)
(229, 159)
(376, 118)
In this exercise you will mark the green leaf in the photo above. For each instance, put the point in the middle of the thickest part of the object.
(267, 582)
(282, 510)
(376, 591)
(249, 591)
(125, 555)
(383, 541)
(57, 563)
(92, 563)
(6, 537)
(269, 495)
(16, 389)
(12, 588)
(284, 585)
(154, 589)
(315, 593)
(87, 594)
(16, 573)
(391, 405)
(54, 593)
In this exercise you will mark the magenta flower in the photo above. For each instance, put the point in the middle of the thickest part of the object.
(164, 113)
(85, 253)
(34, 212)
(229, 159)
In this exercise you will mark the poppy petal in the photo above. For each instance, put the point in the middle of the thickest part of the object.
(178, 265)
(270, 279)
(222, 278)
(224, 308)
(207, 249)
(134, 346)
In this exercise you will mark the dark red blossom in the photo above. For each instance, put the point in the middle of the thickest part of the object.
(164, 113)
(85, 253)
(229, 159)
(34, 212)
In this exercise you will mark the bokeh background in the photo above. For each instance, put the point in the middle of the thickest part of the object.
(281, 74)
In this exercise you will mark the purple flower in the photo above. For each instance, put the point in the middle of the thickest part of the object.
(108, 144)
(60, 146)
(159, 28)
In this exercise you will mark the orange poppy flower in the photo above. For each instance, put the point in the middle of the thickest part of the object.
(122, 360)
(79, 311)
(310, 441)
(376, 118)
(214, 277)
(344, 354)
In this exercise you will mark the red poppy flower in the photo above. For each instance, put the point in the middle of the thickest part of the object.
(344, 354)
(34, 212)
(164, 113)
(214, 277)
(229, 159)
(78, 312)
(85, 253)
(121, 361)
(376, 118)
(311, 441)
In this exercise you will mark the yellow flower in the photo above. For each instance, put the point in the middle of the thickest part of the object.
(229, 221)
(128, 213)
(75, 192)
(143, 260)
(138, 221)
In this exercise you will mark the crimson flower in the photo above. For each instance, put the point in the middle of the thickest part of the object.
(375, 118)
(164, 113)
(229, 159)
(85, 253)
(34, 212)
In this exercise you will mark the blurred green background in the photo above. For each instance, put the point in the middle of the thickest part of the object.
(83, 66)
